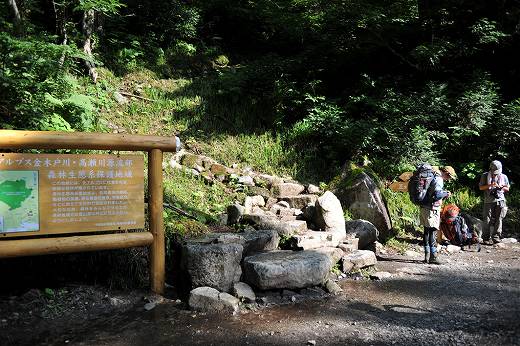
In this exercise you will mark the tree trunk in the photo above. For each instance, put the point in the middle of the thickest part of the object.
(17, 18)
(60, 17)
(88, 29)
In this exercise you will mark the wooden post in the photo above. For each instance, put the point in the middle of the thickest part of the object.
(12, 139)
(155, 210)
(49, 246)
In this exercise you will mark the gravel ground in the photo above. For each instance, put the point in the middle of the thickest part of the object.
(473, 299)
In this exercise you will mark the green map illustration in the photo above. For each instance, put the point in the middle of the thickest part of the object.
(19, 201)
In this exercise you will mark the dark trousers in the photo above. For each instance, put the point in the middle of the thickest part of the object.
(430, 240)
(493, 215)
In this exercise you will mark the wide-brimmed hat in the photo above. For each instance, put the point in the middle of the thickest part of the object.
(449, 171)
(495, 167)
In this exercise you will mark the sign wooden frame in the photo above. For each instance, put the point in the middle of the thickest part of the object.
(154, 238)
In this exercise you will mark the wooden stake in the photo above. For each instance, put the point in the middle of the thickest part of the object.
(155, 210)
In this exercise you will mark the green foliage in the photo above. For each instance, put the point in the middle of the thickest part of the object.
(106, 7)
(466, 199)
(184, 228)
(191, 194)
(403, 213)
(39, 90)
(264, 152)
(399, 245)
(486, 32)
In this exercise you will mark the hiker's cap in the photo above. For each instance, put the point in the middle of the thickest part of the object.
(449, 171)
(495, 167)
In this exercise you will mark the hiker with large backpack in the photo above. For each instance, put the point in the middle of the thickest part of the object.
(494, 184)
(426, 189)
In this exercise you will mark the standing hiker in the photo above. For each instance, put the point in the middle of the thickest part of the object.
(426, 188)
(494, 184)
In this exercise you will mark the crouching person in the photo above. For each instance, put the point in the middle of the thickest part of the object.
(454, 228)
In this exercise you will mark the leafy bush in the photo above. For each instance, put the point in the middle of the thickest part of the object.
(39, 90)
(403, 213)
(466, 199)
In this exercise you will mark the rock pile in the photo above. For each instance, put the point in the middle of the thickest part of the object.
(281, 213)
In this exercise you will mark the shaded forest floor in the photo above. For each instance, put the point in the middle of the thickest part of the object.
(473, 298)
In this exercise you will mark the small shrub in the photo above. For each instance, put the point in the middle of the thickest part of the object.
(404, 214)
(466, 200)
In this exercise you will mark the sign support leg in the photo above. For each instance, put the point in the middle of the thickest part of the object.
(155, 210)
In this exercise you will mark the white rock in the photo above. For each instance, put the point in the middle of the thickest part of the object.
(283, 204)
(122, 100)
(287, 190)
(229, 302)
(244, 292)
(198, 168)
(358, 259)
(258, 201)
(332, 287)
(452, 248)
(509, 240)
(246, 180)
(313, 189)
(149, 306)
(329, 214)
(175, 165)
(208, 299)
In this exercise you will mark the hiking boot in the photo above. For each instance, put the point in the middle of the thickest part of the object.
(426, 257)
(496, 240)
(434, 259)
(487, 242)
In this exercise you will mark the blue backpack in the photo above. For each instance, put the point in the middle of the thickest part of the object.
(420, 185)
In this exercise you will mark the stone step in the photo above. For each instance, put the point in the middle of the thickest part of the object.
(284, 228)
(286, 269)
(358, 259)
(317, 239)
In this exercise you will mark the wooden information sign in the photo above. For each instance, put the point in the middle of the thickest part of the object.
(405, 176)
(64, 193)
(402, 185)
(399, 186)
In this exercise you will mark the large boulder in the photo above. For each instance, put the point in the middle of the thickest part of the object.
(286, 269)
(364, 230)
(208, 299)
(213, 265)
(328, 215)
(361, 196)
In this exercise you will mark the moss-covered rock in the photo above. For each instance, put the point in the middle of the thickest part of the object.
(357, 189)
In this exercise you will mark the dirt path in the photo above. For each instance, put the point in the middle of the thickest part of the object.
(473, 299)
